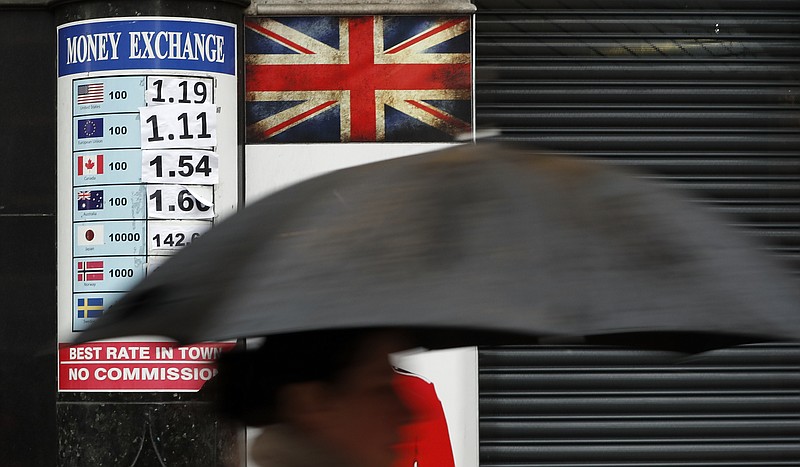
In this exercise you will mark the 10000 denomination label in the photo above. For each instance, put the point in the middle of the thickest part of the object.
(110, 238)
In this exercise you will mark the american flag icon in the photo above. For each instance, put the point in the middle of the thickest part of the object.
(91, 93)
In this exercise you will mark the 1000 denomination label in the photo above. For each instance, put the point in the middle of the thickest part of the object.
(108, 95)
(180, 202)
(183, 166)
(167, 237)
(107, 273)
(107, 167)
(178, 126)
(109, 202)
(110, 238)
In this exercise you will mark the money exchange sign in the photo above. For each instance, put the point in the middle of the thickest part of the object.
(147, 164)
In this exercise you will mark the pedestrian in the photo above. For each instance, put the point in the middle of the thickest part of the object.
(322, 398)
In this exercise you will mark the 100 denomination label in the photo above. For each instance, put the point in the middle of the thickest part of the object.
(163, 90)
(108, 131)
(178, 126)
(180, 202)
(107, 167)
(167, 237)
(107, 273)
(108, 95)
(109, 202)
(110, 238)
(183, 166)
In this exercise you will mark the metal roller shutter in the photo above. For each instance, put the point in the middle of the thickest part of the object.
(600, 406)
(704, 94)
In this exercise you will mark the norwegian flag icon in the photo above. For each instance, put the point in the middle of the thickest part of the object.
(359, 79)
(90, 271)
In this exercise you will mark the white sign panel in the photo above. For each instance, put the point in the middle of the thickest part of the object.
(180, 202)
(178, 126)
(147, 162)
(186, 166)
(449, 377)
(166, 237)
(183, 90)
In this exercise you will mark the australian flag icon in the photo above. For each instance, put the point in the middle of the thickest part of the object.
(90, 200)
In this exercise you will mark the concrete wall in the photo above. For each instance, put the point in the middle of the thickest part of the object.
(27, 238)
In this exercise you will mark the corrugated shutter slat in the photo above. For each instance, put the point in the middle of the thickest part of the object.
(705, 95)
(604, 406)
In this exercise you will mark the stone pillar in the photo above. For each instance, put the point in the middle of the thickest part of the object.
(118, 408)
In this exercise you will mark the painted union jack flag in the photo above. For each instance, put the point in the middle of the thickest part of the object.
(357, 79)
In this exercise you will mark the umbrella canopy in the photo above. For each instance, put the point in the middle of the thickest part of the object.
(476, 237)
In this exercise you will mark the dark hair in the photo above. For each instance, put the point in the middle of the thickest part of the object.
(248, 381)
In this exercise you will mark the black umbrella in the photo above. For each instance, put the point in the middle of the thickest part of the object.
(477, 237)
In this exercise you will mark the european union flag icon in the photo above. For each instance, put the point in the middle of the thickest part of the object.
(90, 307)
(90, 200)
(90, 128)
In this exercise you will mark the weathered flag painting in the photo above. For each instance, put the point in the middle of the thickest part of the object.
(357, 79)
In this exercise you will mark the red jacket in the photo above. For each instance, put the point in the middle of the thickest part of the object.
(425, 442)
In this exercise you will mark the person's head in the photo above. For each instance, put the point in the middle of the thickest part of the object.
(335, 387)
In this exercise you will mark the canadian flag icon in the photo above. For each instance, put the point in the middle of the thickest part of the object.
(90, 164)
